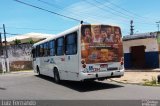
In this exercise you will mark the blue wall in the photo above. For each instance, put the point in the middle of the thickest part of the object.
(151, 60)
(127, 60)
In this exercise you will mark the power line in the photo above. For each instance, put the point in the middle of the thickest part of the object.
(33, 28)
(124, 15)
(124, 18)
(50, 4)
(91, 17)
(114, 9)
(125, 10)
(48, 10)
(11, 34)
(73, 13)
(137, 15)
(144, 18)
(104, 9)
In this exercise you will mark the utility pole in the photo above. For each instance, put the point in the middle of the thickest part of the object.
(6, 55)
(1, 49)
(158, 25)
(131, 27)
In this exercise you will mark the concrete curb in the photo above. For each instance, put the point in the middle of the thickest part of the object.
(134, 83)
(21, 71)
(142, 70)
(16, 72)
(126, 82)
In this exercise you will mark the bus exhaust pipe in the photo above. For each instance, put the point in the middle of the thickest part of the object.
(96, 75)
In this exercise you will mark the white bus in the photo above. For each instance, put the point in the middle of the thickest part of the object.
(85, 52)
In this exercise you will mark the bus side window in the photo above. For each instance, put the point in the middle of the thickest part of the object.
(37, 51)
(41, 50)
(52, 48)
(71, 44)
(60, 46)
(48, 52)
(45, 49)
(33, 53)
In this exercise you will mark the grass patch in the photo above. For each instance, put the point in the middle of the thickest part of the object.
(153, 82)
(125, 80)
(145, 80)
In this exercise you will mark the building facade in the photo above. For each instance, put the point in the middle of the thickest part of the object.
(19, 57)
(142, 50)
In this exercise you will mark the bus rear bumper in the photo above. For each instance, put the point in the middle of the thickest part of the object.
(101, 75)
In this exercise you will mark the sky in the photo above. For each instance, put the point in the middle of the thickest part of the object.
(21, 19)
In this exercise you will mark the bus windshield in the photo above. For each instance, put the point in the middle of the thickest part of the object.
(101, 44)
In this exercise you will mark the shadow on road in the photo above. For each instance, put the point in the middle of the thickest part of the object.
(83, 86)
(2, 88)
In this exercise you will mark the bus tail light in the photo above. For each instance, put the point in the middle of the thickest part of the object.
(84, 65)
(122, 61)
(82, 61)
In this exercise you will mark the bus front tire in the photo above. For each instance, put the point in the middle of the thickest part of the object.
(56, 76)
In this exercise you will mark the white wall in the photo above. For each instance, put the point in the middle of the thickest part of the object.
(19, 52)
(150, 43)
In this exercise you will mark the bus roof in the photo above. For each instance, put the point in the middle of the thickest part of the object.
(58, 35)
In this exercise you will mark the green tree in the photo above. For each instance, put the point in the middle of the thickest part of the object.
(31, 41)
(17, 41)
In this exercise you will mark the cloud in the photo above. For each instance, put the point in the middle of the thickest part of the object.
(29, 35)
(87, 12)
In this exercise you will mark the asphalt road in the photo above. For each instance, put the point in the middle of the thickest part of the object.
(27, 85)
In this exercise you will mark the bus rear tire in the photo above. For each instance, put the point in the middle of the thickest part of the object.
(56, 76)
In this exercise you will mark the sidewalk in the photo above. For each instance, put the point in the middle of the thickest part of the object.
(16, 72)
(136, 77)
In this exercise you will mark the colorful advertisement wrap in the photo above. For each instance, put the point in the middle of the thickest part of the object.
(101, 44)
